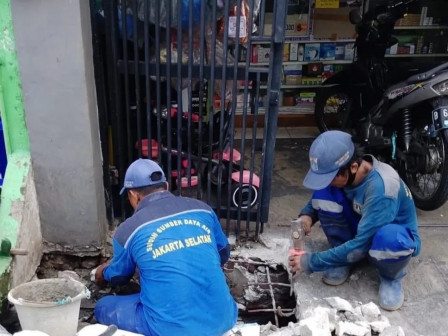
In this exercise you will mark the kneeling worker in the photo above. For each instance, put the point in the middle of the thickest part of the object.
(387, 231)
(178, 246)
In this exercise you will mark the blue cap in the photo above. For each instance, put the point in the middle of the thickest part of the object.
(140, 174)
(328, 153)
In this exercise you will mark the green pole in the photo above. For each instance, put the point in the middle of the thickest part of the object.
(16, 140)
(11, 97)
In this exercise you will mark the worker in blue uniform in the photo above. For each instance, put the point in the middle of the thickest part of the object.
(386, 233)
(178, 247)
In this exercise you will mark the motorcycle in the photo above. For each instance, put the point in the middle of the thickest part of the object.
(406, 124)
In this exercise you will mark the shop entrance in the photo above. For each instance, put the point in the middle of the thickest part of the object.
(172, 77)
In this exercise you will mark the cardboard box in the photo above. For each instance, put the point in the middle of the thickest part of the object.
(307, 97)
(333, 23)
(349, 51)
(313, 69)
(260, 54)
(293, 52)
(296, 25)
(327, 51)
(327, 72)
(293, 74)
(339, 52)
(286, 52)
(306, 80)
(312, 52)
(301, 53)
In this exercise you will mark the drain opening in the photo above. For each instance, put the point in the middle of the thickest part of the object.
(262, 291)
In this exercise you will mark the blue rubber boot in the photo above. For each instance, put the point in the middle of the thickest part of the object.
(336, 276)
(391, 296)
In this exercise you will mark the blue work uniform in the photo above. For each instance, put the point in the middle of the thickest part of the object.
(331, 207)
(387, 231)
(175, 242)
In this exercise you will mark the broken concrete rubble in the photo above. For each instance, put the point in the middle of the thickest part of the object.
(334, 316)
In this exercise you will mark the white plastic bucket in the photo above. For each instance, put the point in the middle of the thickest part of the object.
(49, 305)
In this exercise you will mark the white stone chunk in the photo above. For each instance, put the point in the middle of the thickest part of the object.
(370, 311)
(379, 326)
(344, 328)
(316, 325)
(339, 304)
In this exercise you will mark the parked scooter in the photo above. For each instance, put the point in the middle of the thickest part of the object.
(214, 166)
(405, 124)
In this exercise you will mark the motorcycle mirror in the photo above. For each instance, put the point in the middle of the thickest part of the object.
(355, 16)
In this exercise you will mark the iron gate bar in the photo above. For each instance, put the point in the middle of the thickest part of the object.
(147, 81)
(110, 18)
(122, 67)
(137, 80)
(243, 131)
(274, 83)
(233, 102)
(124, 38)
(211, 90)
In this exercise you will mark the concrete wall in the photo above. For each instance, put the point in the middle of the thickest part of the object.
(29, 236)
(53, 40)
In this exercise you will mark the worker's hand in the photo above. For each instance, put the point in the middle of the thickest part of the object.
(307, 223)
(99, 278)
(294, 261)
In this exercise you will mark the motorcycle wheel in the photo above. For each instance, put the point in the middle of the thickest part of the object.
(247, 192)
(334, 106)
(426, 169)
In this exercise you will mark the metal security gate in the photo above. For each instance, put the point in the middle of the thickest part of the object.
(177, 78)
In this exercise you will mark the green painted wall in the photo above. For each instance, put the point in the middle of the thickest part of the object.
(16, 137)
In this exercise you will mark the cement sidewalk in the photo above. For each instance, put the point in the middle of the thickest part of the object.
(426, 285)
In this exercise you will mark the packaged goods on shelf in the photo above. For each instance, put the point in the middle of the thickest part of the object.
(286, 52)
(293, 52)
(306, 97)
(349, 51)
(312, 52)
(339, 52)
(327, 72)
(260, 54)
(293, 74)
(327, 51)
(313, 69)
(312, 80)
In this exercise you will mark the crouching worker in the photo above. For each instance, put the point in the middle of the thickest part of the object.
(387, 231)
(178, 247)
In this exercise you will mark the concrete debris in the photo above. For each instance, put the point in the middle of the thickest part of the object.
(268, 329)
(316, 325)
(334, 316)
(392, 331)
(380, 325)
(370, 311)
(352, 328)
(339, 304)
(69, 275)
(251, 294)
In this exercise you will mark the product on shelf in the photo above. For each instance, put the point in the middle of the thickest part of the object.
(327, 51)
(312, 52)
